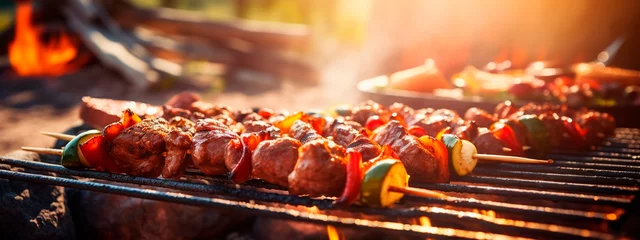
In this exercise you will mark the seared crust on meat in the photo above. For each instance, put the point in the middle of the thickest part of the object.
(138, 150)
(421, 165)
(178, 143)
(486, 143)
(344, 134)
(321, 169)
(481, 117)
(303, 132)
(259, 126)
(209, 145)
(365, 110)
(274, 160)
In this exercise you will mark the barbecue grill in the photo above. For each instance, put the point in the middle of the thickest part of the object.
(582, 195)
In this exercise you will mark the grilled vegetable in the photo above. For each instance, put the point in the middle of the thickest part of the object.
(437, 148)
(539, 135)
(354, 179)
(373, 123)
(461, 154)
(71, 157)
(93, 151)
(505, 133)
(575, 132)
(417, 131)
(288, 121)
(379, 178)
(242, 172)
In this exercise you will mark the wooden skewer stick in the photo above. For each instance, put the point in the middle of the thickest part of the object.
(418, 192)
(39, 150)
(506, 149)
(511, 159)
(60, 136)
(525, 148)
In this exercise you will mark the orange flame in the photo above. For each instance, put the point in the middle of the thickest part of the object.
(332, 233)
(30, 57)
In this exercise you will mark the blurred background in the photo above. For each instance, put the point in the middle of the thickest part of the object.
(276, 53)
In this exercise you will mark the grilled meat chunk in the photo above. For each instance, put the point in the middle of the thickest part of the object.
(365, 110)
(321, 169)
(468, 131)
(170, 112)
(481, 117)
(259, 126)
(252, 117)
(209, 144)
(405, 111)
(433, 125)
(178, 143)
(303, 132)
(347, 136)
(273, 160)
(596, 126)
(138, 150)
(488, 144)
(420, 163)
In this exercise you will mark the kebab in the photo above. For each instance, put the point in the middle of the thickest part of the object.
(551, 120)
(317, 154)
(207, 154)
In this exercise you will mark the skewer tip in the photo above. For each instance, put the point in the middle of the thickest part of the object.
(60, 136)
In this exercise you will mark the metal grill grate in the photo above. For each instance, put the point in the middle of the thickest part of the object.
(584, 194)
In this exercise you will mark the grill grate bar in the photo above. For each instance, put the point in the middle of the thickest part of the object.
(566, 170)
(597, 159)
(538, 194)
(621, 145)
(602, 166)
(633, 158)
(563, 186)
(285, 213)
(573, 178)
(616, 150)
(248, 192)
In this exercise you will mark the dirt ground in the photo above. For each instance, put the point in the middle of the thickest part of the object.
(21, 126)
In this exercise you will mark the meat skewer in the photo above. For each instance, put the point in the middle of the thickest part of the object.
(208, 155)
(318, 146)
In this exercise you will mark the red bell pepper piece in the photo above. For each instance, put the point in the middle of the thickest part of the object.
(440, 152)
(242, 171)
(505, 133)
(436, 147)
(417, 131)
(93, 150)
(129, 118)
(575, 132)
(351, 190)
(265, 113)
(112, 130)
(373, 122)
(317, 124)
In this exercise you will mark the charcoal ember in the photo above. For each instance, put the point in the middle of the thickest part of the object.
(33, 211)
(109, 216)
